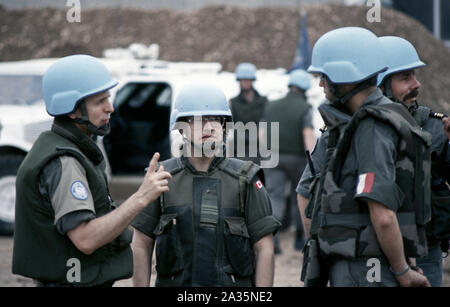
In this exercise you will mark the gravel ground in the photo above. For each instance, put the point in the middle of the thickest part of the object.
(287, 266)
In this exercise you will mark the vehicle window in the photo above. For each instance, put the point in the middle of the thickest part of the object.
(137, 94)
(139, 127)
(20, 89)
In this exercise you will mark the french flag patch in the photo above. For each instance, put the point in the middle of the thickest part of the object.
(365, 183)
(258, 184)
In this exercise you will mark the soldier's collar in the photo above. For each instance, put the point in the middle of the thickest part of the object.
(68, 130)
(332, 116)
(373, 97)
(212, 167)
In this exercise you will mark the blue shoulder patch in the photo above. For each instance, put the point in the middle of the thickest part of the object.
(79, 190)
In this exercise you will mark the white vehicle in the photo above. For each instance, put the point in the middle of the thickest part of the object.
(139, 124)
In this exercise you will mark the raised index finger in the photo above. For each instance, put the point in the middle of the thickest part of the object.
(153, 162)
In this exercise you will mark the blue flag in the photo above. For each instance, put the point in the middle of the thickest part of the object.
(302, 58)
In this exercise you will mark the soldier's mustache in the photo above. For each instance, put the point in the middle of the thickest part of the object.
(412, 94)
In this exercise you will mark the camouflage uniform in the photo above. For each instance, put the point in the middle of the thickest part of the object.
(369, 163)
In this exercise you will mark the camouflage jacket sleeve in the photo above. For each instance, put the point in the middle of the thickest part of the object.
(375, 148)
(318, 158)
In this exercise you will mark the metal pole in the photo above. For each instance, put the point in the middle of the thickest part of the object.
(437, 18)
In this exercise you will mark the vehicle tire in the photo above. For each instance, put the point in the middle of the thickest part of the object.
(9, 164)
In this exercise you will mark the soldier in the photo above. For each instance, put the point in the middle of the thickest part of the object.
(370, 202)
(214, 227)
(68, 231)
(399, 84)
(296, 134)
(248, 107)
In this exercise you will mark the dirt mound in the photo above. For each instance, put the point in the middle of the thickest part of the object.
(229, 35)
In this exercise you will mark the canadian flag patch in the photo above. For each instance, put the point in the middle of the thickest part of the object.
(258, 184)
(365, 183)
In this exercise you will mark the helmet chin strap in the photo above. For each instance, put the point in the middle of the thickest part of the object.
(84, 120)
(339, 99)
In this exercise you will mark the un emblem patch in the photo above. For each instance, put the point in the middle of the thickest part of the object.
(79, 190)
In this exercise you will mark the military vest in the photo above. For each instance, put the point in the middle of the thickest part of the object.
(247, 113)
(40, 251)
(289, 112)
(244, 111)
(342, 224)
(202, 237)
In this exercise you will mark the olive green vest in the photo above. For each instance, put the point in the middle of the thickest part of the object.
(247, 113)
(244, 111)
(40, 251)
(289, 113)
(202, 237)
(343, 225)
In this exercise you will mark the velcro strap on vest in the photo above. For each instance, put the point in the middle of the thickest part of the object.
(357, 220)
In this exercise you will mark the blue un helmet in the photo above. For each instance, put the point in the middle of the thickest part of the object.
(401, 56)
(300, 79)
(348, 55)
(245, 71)
(70, 80)
(200, 100)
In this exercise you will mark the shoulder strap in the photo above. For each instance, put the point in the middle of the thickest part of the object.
(244, 171)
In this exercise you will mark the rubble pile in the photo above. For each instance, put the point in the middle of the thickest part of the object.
(266, 36)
